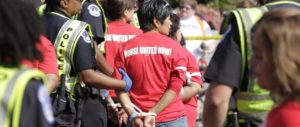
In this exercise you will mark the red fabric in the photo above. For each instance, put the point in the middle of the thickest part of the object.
(191, 104)
(191, 115)
(150, 72)
(286, 115)
(192, 67)
(49, 62)
(111, 46)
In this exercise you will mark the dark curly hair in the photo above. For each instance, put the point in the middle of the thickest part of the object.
(20, 28)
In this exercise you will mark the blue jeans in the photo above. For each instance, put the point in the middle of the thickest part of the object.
(180, 122)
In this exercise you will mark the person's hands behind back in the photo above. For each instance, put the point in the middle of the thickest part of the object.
(125, 78)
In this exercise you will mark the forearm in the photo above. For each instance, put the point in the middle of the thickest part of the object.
(125, 101)
(190, 90)
(216, 105)
(164, 101)
(53, 82)
(100, 80)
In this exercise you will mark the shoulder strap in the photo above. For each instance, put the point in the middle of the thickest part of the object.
(11, 98)
(245, 19)
(200, 21)
(65, 45)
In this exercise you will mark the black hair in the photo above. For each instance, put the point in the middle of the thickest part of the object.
(19, 32)
(115, 8)
(175, 25)
(52, 5)
(150, 10)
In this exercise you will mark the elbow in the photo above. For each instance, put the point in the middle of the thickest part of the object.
(216, 102)
(86, 76)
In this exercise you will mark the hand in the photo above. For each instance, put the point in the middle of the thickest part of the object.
(123, 117)
(112, 112)
(127, 80)
(137, 122)
(149, 121)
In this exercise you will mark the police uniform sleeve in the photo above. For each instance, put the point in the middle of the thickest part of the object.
(36, 106)
(225, 64)
(84, 54)
(92, 14)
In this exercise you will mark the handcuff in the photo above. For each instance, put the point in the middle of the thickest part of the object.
(137, 112)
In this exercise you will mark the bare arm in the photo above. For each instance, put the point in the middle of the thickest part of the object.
(53, 82)
(99, 80)
(190, 90)
(163, 102)
(216, 104)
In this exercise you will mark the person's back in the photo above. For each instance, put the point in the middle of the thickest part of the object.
(157, 68)
(24, 98)
(230, 73)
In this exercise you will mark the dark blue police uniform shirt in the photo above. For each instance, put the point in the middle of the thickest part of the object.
(92, 14)
(84, 54)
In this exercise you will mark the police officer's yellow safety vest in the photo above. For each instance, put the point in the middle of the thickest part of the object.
(135, 21)
(65, 45)
(253, 101)
(13, 82)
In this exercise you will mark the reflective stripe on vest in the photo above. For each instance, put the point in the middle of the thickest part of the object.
(41, 9)
(251, 101)
(135, 21)
(13, 85)
(254, 102)
(65, 45)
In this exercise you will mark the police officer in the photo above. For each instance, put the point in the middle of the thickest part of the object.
(94, 109)
(24, 98)
(75, 50)
(230, 74)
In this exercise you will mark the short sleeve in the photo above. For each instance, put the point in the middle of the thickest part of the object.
(84, 54)
(92, 14)
(225, 65)
(36, 106)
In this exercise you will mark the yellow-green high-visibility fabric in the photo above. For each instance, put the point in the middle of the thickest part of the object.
(135, 21)
(254, 102)
(13, 82)
(65, 45)
(41, 9)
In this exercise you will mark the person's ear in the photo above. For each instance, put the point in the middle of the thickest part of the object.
(156, 23)
(64, 3)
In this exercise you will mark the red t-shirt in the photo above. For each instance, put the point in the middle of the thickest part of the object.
(286, 115)
(49, 63)
(195, 75)
(154, 63)
(118, 32)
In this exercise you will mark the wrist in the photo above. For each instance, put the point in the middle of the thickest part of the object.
(132, 117)
(127, 87)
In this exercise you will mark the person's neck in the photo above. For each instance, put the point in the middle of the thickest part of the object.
(64, 12)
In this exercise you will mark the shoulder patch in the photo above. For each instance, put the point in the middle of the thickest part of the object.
(86, 37)
(94, 10)
(44, 99)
